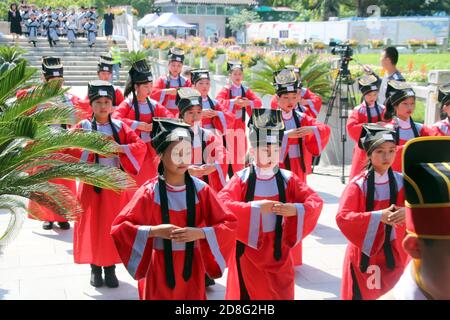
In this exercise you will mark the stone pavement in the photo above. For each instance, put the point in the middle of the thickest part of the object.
(39, 263)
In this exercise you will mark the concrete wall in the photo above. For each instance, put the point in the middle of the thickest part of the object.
(4, 27)
(399, 30)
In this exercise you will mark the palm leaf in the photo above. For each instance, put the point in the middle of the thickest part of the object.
(11, 80)
(94, 174)
(129, 58)
(55, 197)
(55, 114)
(40, 95)
(16, 208)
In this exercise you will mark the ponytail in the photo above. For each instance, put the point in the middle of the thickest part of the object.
(390, 110)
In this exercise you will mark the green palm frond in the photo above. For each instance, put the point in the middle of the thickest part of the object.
(314, 74)
(55, 197)
(56, 140)
(129, 58)
(12, 80)
(47, 161)
(55, 114)
(16, 208)
(38, 96)
(94, 174)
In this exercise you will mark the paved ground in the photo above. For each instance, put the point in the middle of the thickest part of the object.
(39, 263)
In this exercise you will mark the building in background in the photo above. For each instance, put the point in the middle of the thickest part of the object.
(210, 16)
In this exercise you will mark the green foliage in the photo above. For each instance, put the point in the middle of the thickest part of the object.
(237, 22)
(31, 151)
(314, 73)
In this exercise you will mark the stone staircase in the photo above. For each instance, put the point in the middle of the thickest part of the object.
(80, 61)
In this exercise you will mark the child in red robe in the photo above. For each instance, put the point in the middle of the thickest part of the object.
(442, 128)
(303, 139)
(371, 216)
(138, 111)
(208, 154)
(165, 88)
(53, 70)
(93, 243)
(367, 112)
(400, 105)
(308, 102)
(240, 100)
(175, 228)
(275, 211)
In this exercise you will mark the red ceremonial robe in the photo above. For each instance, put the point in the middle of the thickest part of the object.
(405, 134)
(311, 103)
(164, 98)
(312, 145)
(263, 276)
(125, 112)
(365, 233)
(357, 118)
(35, 210)
(220, 123)
(441, 128)
(208, 147)
(144, 257)
(236, 138)
(92, 242)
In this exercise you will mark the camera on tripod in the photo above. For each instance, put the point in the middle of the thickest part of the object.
(344, 50)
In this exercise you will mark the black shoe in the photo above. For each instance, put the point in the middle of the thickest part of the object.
(47, 225)
(110, 277)
(64, 225)
(96, 276)
(208, 281)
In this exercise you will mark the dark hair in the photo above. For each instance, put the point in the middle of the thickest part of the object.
(129, 87)
(390, 110)
(392, 54)
(13, 4)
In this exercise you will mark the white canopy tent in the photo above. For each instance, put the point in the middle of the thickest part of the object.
(146, 20)
(170, 20)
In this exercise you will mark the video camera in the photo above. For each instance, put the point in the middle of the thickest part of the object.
(344, 50)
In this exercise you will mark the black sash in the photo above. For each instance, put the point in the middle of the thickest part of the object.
(387, 248)
(240, 247)
(369, 116)
(413, 127)
(287, 161)
(115, 136)
(168, 82)
(243, 93)
(189, 251)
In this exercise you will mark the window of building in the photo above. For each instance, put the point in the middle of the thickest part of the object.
(191, 10)
(182, 10)
(229, 11)
(220, 11)
(284, 34)
(211, 10)
(201, 9)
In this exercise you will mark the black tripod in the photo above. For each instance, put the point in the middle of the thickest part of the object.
(343, 95)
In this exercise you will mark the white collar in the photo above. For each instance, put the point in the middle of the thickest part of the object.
(286, 115)
(204, 99)
(264, 173)
(236, 86)
(196, 127)
(176, 188)
(404, 124)
(369, 106)
(407, 288)
(380, 179)
(173, 78)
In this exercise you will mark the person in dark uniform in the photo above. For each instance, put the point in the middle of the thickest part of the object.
(108, 17)
(388, 60)
(15, 19)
